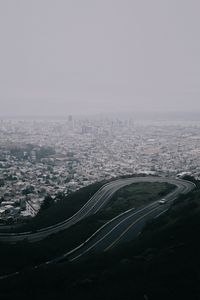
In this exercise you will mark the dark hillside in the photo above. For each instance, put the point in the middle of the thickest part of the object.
(163, 263)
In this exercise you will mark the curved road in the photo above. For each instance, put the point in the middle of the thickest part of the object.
(122, 228)
(97, 201)
(129, 224)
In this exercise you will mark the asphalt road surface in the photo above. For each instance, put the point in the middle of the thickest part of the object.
(117, 227)
(129, 224)
(124, 227)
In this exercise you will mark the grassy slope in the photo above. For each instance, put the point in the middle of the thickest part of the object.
(24, 254)
(62, 209)
(136, 195)
(162, 264)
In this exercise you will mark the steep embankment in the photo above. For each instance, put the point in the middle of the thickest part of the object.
(163, 263)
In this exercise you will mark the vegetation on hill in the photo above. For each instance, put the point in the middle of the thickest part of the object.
(25, 254)
(135, 195)
(62, 208)
(162, 263)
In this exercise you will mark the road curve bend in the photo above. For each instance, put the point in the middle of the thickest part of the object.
(95, 203)
(129, 224)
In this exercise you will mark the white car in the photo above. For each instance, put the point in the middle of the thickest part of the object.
(162, 201)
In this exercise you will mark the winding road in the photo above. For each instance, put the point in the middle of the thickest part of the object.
(96, 202)
(129, 224)
(124, 227)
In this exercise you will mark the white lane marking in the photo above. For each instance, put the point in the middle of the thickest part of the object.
(95, 233)
(173, 193)
(121, 183)
(97, 242)
(128, 228)
(161, 213)
(173, 181)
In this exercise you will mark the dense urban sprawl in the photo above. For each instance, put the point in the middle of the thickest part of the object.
(45, 158)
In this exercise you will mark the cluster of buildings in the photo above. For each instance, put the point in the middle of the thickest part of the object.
(49, 157)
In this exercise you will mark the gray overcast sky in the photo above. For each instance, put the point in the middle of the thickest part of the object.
(67, 56)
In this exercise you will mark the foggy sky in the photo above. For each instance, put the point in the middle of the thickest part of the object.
(90, 56)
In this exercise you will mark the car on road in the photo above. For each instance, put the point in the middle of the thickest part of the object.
(162, 201)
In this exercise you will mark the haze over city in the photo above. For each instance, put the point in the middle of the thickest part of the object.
(89, 57)
(99, 149)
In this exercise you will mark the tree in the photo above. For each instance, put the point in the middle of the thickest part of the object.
(28, 190)
(48, 201)
(2, 183)
(60, 196)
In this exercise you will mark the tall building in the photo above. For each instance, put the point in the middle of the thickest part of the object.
(70, 119)
(70, 122)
